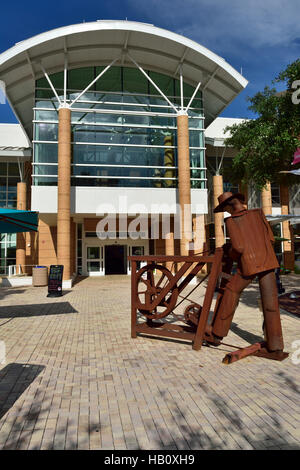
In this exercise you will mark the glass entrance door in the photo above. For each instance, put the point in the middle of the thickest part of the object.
(116, 259)
(94, 260)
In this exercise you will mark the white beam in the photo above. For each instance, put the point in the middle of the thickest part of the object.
(210, 78)
(94, 81)
(220, 164)
(65, 78)
(51, 85)
(152, 82)
(30, 64)
(181, 61)
(124, 52)
(181, 88)
(65, 70)
(20, 171)
(193, 96)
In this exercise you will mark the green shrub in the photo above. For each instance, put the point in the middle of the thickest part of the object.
(284, 270)
(296, 269)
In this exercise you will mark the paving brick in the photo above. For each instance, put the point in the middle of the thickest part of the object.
(74, 378)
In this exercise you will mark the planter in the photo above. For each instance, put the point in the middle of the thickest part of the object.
(40, 276)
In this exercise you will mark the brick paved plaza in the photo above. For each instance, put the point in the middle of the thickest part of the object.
(74, 378)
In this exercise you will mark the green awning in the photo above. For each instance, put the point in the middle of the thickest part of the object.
(13, 221)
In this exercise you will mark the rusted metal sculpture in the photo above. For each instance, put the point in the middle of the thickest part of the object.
(252, 248)
(155, 291)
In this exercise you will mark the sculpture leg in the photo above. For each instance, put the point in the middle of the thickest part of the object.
(228, 304)
(270, 306)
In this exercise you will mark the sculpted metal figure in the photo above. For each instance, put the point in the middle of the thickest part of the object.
(155, 289)
(251, 247)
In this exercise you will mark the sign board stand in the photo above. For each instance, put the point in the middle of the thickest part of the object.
(55, 280)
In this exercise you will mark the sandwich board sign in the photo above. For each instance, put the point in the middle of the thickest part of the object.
(55, 280)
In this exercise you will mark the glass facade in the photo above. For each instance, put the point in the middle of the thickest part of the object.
(8, 242)
(275, 194)
(123, 132)
(294, 195)
(9, 177)
(296, 229)
(79, 249)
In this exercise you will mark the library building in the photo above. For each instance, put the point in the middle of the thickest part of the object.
(120, 128)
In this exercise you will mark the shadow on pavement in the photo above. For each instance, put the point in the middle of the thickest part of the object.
(231, 431)
(36, 310)
(244, 334)
(14, 380)
(224, 423)
(79, 279)
(5, 291)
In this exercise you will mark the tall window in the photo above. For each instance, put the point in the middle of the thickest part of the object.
(123, 132)
(296, 232)
(9, 177)
(7, 251)
(275, 194)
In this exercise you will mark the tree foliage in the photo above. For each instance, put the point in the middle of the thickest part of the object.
(266, 144)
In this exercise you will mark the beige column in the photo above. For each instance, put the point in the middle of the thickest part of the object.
(21, 237)
(169, 161)
(199, 236)
(169, 248)
(199, 233)
(219, 216)
(63, 191)
(287, 232)
(184, 182)
(266, 199)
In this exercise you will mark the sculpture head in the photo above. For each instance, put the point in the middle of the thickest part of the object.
(232, 203)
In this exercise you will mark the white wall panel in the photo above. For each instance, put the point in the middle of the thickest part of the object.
(91, 200)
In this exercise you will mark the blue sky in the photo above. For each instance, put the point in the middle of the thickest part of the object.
(259, 37)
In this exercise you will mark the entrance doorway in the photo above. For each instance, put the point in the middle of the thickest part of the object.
(94, 260)
(115, 259)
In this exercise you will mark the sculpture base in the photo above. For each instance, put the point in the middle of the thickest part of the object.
(258, 350)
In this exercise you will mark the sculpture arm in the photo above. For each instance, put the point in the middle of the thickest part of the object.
(268, 226)
(235, 238)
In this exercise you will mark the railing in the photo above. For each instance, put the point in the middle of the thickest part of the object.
(18, 269)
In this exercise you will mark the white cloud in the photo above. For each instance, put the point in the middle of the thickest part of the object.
(259, 23)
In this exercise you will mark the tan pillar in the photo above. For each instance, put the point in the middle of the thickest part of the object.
(184, 182)
(63, 191)
(266, 199)
(199, 233)
(219, 216)
(169, 249)
(287, 232)
(199, 236)
(21, 237)
(169, 161)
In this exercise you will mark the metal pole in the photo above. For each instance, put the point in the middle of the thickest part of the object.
(65, 80)
(51, 85)
(221, 161)
(181, 87)
(20, 171)
(152, 83)
(94, 81)
(193, 96)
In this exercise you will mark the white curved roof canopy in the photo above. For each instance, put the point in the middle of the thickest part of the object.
(98, 43)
